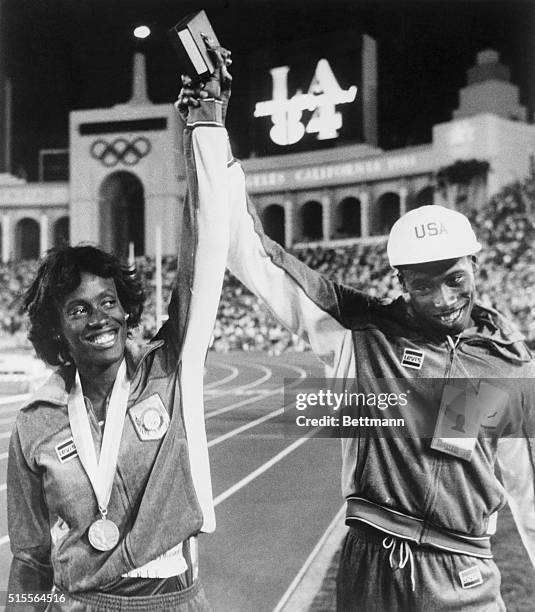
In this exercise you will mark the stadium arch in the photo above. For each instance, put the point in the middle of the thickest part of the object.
(61, 231)
(388, 209)
(424, 197)
(311, 220)
(273, 220)
(27, 239)
(122, 213)
(348, 218)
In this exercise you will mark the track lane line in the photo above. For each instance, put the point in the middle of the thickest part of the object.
(308, 562)
(218, 411)
(268, 373)
(263, 468)
(242, 428)
(234, 372)
(260, 420)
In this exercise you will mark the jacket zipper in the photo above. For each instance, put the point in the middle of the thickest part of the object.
(437, 463)
(452, 346)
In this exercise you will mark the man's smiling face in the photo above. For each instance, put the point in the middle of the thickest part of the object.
(441, 293)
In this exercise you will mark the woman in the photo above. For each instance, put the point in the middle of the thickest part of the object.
(108, 475)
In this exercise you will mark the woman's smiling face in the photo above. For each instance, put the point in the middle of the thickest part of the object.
(93, 324)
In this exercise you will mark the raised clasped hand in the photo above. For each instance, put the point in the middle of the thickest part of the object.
(218, 85)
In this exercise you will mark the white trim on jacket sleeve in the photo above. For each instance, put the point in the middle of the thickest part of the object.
(519, 482)
(252, 265)
(210, 150)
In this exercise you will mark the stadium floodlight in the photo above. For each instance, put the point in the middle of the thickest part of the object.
(142, 31)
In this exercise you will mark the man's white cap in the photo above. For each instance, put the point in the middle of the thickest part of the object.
(430, 233)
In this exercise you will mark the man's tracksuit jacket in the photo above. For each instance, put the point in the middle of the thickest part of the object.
(398, 483)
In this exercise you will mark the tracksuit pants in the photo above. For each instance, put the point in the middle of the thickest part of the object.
(191, 599)
(381, 573)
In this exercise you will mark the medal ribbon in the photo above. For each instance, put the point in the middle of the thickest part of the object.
(100, 473)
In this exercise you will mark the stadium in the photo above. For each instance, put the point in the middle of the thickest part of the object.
(325, 190)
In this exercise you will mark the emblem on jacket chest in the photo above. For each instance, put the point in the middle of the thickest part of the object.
(150, 418)
(66, 450)
(412, 358)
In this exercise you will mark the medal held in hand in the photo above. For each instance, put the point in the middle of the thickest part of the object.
(103, 533)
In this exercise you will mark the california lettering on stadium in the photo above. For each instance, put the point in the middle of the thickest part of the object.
(319, 174)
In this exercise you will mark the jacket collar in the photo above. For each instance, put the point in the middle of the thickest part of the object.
(56, 388)
(490, 328)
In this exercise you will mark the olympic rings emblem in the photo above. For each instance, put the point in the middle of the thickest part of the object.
(120, 150)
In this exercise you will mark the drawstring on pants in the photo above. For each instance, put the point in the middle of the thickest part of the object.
(405, 555)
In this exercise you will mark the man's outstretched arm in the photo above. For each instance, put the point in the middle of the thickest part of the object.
(516, 458)
(306, 302)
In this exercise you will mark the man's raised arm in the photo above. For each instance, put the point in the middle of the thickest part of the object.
(306, 302)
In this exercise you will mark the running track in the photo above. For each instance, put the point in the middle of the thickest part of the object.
(275, 496)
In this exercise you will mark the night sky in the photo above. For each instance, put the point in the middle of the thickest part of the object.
(71, 54)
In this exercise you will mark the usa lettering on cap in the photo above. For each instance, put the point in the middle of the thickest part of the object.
(430, 229)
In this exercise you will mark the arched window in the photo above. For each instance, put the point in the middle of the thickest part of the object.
(61, 232)
(388, 208)
(312, 221)
(424, 197)
(348, 218)
(122, 213)
(27, 239)
(273, 222)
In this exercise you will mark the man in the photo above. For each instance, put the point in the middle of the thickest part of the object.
(420, 510)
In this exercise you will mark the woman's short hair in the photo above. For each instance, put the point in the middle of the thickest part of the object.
(59, 274)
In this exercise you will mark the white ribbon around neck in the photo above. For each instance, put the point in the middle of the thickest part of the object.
(101, 472)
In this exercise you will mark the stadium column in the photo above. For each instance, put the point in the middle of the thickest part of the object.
(364, 198)
(288, 222)
(326, 215)
(6, 238)
(403, 192)
(43, 226)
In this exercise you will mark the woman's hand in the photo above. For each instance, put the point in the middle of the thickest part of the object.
(217, 86)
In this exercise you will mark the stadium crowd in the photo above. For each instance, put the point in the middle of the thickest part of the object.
(506, 227)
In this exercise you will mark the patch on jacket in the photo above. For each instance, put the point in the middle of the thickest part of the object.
(412, 358)
(66, 450)
(150, 418)
(470, 577)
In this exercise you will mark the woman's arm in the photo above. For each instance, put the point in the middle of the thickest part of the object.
(307, 303)
(28, 525)
(201, 266)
